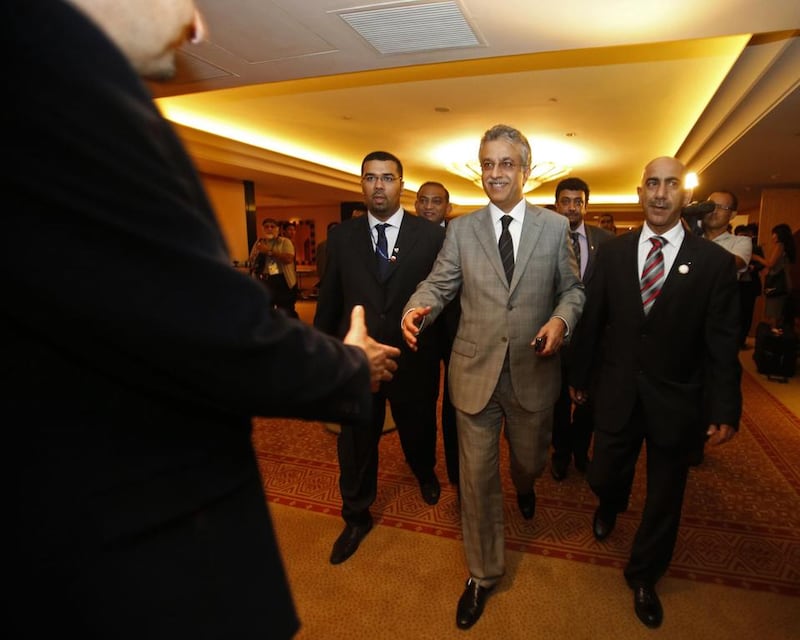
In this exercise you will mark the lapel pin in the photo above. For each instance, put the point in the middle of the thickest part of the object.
(683, 269)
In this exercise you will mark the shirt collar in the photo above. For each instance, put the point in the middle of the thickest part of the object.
(674, 236)
(518, 212)
(394, 221)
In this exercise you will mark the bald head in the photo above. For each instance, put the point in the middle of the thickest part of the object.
(662, 193)
(148, 32)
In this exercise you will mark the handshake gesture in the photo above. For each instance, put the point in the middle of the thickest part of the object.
(380, 356)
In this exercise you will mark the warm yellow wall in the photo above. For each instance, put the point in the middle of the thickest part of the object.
(227, 198)
(778, 206)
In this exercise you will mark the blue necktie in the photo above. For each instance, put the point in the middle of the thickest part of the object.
(382, 251)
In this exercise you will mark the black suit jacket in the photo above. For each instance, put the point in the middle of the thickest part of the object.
(352, 278)
(680, 361)
(138, 354)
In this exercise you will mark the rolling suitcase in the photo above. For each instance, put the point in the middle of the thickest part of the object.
(776, 352)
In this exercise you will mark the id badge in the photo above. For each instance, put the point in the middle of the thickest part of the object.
(272, 268)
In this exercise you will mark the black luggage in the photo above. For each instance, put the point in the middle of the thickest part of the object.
(776, 352)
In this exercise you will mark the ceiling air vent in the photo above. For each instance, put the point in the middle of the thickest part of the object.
(411, 29)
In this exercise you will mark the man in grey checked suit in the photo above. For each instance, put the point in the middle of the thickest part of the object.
(497, 378)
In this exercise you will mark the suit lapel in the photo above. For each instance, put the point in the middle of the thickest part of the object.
(363, 247)
(485, 235)
(406, 239)
(681, 269)
(531, 231)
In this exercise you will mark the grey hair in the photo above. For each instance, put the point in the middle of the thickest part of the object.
(514, 136)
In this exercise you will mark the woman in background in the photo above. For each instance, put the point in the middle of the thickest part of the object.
(780, 255)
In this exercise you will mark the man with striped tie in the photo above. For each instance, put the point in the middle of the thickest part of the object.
(658, 348)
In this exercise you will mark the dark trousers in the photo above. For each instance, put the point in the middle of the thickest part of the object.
(414, 414)
(572, 427)
(282, 296)
(747, 303)
(611, 477)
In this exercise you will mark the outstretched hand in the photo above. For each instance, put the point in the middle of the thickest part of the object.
(380, 356)
(412, 325)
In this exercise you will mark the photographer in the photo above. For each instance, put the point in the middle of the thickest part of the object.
(272, 262)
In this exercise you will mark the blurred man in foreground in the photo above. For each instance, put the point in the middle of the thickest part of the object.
(139, 353)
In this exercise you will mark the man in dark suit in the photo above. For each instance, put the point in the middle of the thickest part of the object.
(377, 261)
(658, 342)
(433, 203)
(572, 424)
(511, 265)
(139, 354)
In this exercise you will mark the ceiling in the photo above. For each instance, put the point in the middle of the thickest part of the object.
(292, 94)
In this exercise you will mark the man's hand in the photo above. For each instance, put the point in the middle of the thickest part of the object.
(552, 333)
(380, 356)
(717, 434)
(578, 396)
(412, 322)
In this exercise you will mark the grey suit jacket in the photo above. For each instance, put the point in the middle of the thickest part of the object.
(496, 316)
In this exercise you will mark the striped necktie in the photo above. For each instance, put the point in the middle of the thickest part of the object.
(576, 247)
(506, 246)
(653, 273)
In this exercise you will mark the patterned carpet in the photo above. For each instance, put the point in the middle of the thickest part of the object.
(741, 518)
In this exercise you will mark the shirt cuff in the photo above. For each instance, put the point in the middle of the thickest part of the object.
(402, 320)
(566, 324)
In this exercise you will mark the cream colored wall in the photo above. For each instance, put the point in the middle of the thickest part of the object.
(227, 198)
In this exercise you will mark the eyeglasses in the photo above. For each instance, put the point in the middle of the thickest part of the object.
(386, 178)
(505, 165)
(719, 206)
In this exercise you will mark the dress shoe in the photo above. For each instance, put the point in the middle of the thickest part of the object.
(527, 504)
(348, 541)
(581, 464)
(603, 524)
(647, 606)
(558, 469)
(470, 604)
(430, 490)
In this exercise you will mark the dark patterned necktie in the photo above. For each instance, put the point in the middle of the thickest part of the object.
(506, 247)
(653, 273)
(576, 246)
(382, 250)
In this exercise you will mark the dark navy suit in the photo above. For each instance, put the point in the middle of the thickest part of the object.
(351, 278)
(135, 358)
(660, 379)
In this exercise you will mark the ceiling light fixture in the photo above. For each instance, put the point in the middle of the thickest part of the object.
(541, 172)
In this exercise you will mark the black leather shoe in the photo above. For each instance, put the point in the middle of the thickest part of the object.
(581, 464)
(348, 541)
(558, 469)
(470, 604)
(647, 606)
(603, 524)
(430, 490)
(527, 504)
